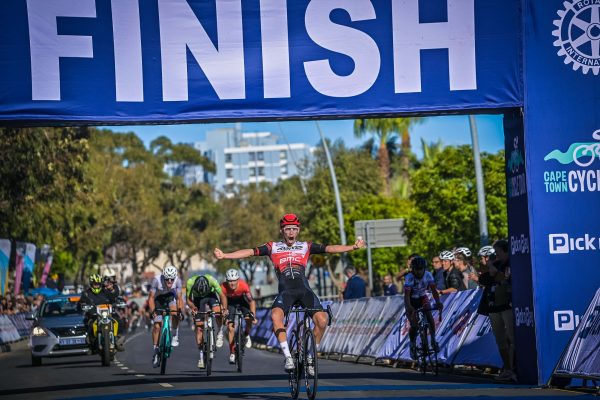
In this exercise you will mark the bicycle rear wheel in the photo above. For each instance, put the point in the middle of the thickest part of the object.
(310, 359)
(239, 343)
(294, 376)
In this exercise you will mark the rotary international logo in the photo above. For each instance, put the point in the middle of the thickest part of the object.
(578, 34)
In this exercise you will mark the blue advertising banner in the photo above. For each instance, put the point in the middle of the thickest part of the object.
(479, 346)
(103, 61)
(26, 253)
(562, 136)
(581, 357)
(517, 203)
(5, 249)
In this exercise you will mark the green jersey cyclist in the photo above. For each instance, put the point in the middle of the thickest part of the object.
(203, 291)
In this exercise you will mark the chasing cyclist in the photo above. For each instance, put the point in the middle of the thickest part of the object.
(165, 293)
(203, 291)
(416, 285)
(290, 258)
(238, 294)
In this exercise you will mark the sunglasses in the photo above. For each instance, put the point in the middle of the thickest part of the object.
(169, 280)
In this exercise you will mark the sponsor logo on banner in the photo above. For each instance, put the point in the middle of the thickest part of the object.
(565, 320)
(562, 243)
(523, 317)
(586, 175)
(517, 185)
(578, 33)
(519, 244)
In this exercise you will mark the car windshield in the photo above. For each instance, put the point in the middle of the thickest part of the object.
(59, 308)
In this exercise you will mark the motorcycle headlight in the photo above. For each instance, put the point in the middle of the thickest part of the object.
(39, 331)
(104, 314)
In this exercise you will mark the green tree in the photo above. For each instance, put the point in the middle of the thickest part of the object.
(445, 201)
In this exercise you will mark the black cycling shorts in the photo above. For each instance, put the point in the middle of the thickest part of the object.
(163, 301)
(211, 300)
(302, 295)
(243, 306)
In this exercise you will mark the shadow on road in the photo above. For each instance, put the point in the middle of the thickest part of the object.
(200, 377)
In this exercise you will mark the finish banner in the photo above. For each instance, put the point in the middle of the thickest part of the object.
(581, 358)
(5, 250)
(103, 61)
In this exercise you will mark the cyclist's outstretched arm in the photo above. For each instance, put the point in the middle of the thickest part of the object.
(340, 248)
(243, 253)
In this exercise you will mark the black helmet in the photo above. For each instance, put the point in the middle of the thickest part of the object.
(201, 286)
(418, 263)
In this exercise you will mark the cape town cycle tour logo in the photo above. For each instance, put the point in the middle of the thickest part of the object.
(578, 34)
(582, 178)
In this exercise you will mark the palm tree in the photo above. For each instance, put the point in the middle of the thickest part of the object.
(384, 129)
(431, 150)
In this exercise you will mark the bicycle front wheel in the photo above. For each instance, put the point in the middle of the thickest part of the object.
(239, 344)
(424, 351)
(294, 376)
(310, 364)
(208, 349)
(164, 345)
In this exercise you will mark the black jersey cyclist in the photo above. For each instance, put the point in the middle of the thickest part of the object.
(290, 258)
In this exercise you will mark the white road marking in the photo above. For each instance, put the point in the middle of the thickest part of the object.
(124, 368)
(166, 385)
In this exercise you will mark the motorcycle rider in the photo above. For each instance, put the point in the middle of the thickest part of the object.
(93, 296)
(113, 292)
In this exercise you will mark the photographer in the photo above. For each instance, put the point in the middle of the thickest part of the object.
(496, 302)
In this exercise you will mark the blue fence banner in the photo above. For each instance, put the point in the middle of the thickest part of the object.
(191, 60)
(5, 250)
(562, 133)
(581, 358)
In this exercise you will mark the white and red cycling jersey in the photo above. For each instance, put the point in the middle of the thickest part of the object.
(290, 261)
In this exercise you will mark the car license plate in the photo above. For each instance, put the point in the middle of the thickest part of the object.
(71, 341)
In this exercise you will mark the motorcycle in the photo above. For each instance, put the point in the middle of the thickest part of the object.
(104, 330)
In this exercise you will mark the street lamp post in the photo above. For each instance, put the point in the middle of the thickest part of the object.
(338, 201)
(483, 225)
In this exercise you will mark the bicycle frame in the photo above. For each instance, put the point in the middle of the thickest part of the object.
(164, 339)
(425, 352)
(209, 329)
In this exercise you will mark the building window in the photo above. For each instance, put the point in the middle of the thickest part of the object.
(261, 171)
(284, 170)
(252, 172)
(283, 155)
(252, 156)
(228, 158)
(229, 173)
(260, 156)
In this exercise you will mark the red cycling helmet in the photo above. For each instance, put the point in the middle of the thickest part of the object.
(289, 219)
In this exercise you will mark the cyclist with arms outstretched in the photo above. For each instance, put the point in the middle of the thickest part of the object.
(416, 285)
(290, 257)
(165, 293)
(202, 292)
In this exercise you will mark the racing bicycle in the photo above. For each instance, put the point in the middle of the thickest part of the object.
(209, 336)
(426, 354)
(304, 350)
(239, 336)
(164, 340)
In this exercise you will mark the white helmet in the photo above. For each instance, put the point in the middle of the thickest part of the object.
(109, 273)
(170, 272)
(446, 255)
(463, 250)
(232, 275)
(486, 251)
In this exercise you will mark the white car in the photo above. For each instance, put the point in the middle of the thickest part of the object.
(58, 329)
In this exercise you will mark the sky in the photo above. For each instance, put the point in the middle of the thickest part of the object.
(452, 130)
